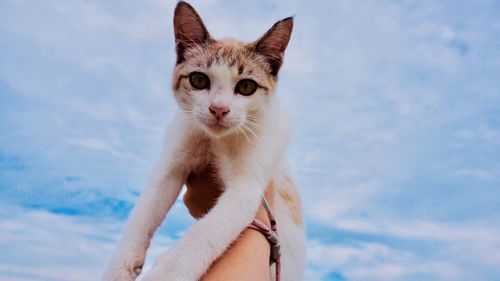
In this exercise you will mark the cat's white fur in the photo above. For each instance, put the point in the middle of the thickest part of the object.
(247, 159)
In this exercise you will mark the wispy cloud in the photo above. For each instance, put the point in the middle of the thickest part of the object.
(39, 245)
(375, 261)
(93, 144)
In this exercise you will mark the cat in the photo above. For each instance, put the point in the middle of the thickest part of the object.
(230, 125)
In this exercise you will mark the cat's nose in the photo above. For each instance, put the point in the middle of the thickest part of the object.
(219, 111)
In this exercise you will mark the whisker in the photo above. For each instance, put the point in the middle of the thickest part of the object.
(246, 136)
(255, 119)
(254, 124)
(253, 128)
(251, 131)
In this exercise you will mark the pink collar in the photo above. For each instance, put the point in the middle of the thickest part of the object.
(271, 234)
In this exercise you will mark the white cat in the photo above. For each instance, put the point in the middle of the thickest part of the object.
(231, 124)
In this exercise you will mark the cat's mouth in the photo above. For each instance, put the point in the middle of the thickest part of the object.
(216, 126)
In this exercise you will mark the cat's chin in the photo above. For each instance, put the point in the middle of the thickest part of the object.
(217, 130)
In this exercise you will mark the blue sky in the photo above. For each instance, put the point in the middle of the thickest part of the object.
(396, 145)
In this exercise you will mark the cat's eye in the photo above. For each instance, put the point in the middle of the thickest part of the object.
(199, 80)
(246, 87)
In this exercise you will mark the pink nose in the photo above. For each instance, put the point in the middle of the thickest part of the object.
(219, 111)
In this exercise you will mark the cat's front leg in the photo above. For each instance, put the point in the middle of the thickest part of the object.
(158, 196)
(207, 239)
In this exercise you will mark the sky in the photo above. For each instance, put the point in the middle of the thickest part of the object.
(395, 147)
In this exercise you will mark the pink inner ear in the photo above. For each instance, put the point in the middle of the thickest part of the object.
(276, 39)
(188, 28)
(274, 42)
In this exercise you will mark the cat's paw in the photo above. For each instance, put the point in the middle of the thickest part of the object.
(125, 266)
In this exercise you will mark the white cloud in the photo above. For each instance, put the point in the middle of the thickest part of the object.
(479, 240)
(374, 261)
(422, 230)
(37, 245)
(94, 144)
(346, 199)
(478, 173)
(99, 111)
(481, 133)
(41, 246)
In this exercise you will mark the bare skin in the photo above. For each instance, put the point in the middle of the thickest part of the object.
(248, 257)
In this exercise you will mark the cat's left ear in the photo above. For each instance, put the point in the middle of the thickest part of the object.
(189, 29)
(273, 43)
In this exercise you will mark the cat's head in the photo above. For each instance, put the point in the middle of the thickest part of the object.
(225, 86)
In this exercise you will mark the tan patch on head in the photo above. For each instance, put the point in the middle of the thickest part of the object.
(238, 56)
(198, 51)
(289, 195)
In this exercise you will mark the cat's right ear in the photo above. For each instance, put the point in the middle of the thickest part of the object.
(189, 29)
(273, 43)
